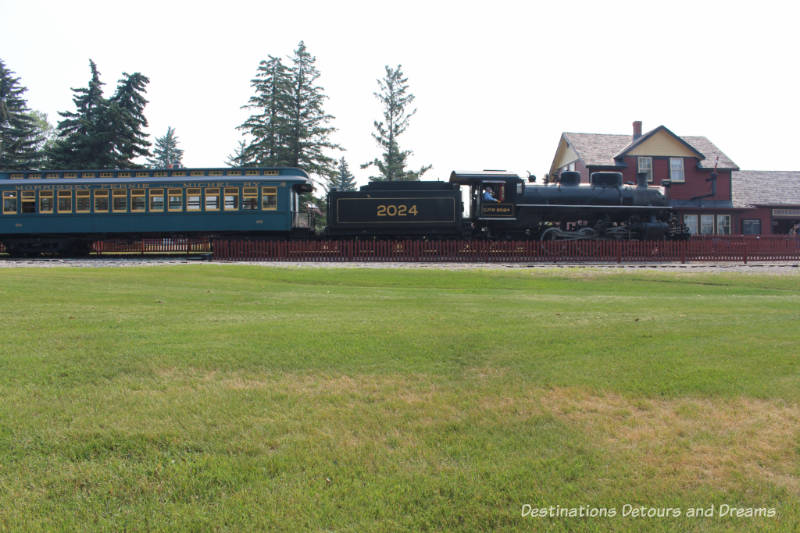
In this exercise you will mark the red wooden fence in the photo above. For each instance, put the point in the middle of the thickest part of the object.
(729, 248)
(740, 249)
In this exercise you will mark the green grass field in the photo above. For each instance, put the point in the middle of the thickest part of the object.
(237, 398)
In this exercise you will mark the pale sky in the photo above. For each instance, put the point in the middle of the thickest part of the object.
(496, 83)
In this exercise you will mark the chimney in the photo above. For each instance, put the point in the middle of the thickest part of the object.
(637, 129)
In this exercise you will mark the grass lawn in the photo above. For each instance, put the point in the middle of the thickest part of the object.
(236, 398)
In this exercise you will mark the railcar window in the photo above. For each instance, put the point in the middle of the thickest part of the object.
(65, 201)
(231, 198)
(138, 201)
(212, 199)
(83, 201)
(9, 202)
(250, 198)
(119, 200)
(175, 199)
(45, 202)
(156, 200)
(100, 201)
(193, 199)
(28, 201)
(269, 198)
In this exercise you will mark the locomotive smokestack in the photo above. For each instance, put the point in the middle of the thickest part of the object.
(637, 129)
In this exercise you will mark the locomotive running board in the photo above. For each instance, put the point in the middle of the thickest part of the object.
(607, 206)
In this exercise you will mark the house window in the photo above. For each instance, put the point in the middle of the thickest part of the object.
(751, 226)
(676, 169)
(690, 221)
(723, 224)
(706, 224)
(645, 166)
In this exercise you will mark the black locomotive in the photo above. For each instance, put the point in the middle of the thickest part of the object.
(501, 205)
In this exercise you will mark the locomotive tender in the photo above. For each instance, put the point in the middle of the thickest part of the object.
(64, 211)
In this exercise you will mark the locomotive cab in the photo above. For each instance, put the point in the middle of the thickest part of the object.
(504, 188)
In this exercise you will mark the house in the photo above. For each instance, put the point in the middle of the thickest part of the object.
(699, 173)
(769, 201)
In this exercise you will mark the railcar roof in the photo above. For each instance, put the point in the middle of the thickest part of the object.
(139, 175)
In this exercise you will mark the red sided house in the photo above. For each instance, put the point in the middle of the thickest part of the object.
(769, 202)
(699, 172)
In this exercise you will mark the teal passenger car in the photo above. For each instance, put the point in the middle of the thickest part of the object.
(65, 210)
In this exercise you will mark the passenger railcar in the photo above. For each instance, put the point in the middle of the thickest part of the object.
(64, 211)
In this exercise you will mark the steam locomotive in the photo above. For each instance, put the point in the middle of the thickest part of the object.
(605, 208)
(63, 212)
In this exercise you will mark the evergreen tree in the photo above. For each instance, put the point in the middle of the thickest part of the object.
(308, 133)
(126, 120)
(103, 133)
(20, 137)
(166, 153)
(395, 97)
(239, 156)
(269, 126)
(83, 137)
(290, 126)
(344, 179)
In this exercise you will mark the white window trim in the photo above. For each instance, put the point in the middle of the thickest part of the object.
(672, 177)
(649, 171)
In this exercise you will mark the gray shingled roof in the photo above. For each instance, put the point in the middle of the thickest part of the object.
(764, 187)
(600, 149)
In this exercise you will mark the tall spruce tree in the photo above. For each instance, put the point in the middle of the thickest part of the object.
(289, 126)
(268, 126)
(166, 153)
(308, 134)
(127, 120)
(395, 97)
(83, 137)
(20, 136)
(103, 133)
(344, 179)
